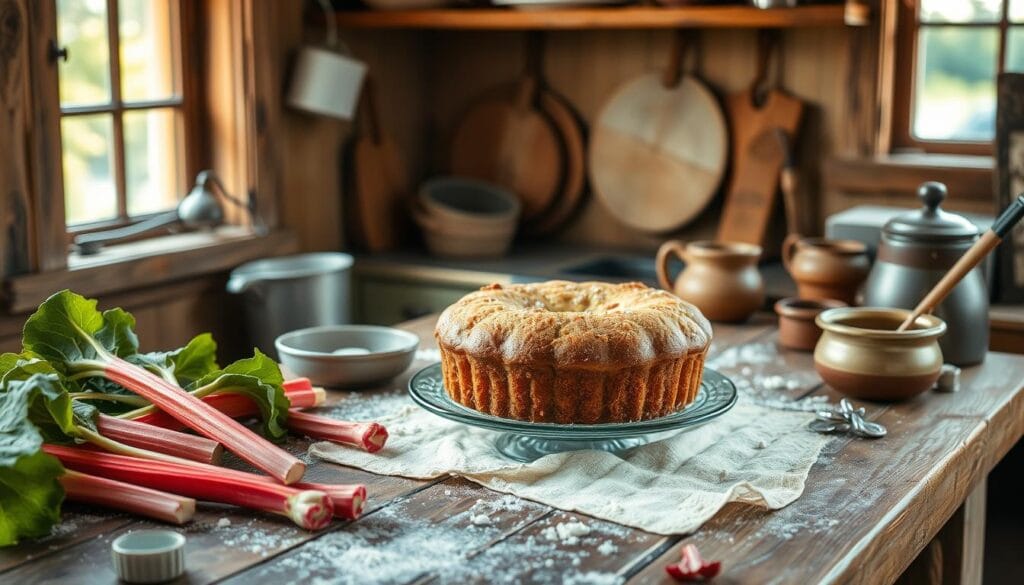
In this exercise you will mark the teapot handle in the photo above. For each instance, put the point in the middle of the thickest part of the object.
(665, 253)
(789, 250)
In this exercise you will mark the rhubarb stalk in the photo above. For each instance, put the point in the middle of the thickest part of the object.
(100, 491)
(310, 509)
(161, 440)
(231, 404)
(369, 436)
(74, 337)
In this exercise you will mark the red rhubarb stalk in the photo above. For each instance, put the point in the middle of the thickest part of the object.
(346, 500)
(126, 497)
(235, 406)
(206, 420)
(369, 436)
(161, 440)
(297, 384)
(310, 509)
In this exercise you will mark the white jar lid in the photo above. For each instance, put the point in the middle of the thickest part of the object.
(149, 556)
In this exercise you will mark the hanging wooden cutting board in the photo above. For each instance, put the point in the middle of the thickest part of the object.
(750, 196)
(509, 140)
(658, 150)
(574, 179)
(379, 182)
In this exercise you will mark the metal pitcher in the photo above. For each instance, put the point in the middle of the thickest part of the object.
(293, 292)
(916, 251)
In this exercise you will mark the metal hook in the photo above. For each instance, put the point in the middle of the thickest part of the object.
(684, 44)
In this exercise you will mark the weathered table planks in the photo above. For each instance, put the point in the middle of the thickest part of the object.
(869, 509)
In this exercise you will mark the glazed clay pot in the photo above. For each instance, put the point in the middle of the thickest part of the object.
(797, 329)
(861, 354)
(826, 269)
(720, 278)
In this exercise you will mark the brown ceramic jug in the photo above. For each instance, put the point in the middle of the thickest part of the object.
(826, 269)
(720, 278)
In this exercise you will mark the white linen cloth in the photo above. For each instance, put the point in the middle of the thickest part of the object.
(752, 454)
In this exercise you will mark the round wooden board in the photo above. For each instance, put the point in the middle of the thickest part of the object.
(516, 147)
(657, 155)
(574, 181)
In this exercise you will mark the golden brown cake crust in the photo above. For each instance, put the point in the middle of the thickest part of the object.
(573, 352)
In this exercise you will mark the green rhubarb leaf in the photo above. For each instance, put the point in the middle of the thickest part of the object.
(51, 408)
(118, 333)
(184, 365)
(259, 378)
(67, 329)
(30, 493)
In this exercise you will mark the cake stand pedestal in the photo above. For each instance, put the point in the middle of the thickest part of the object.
(527, 441)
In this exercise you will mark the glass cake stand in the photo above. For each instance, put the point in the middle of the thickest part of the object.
(527, 441)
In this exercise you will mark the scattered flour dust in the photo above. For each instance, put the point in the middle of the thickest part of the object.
(393, 545)
(249, 536)
(567, 532)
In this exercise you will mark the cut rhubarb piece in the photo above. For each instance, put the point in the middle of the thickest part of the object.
(310, 509)
(161, 440)
(347, 500)
(126, 497)
(692, 566)
(369, 436)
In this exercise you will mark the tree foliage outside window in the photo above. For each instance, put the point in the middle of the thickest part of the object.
(961, 46)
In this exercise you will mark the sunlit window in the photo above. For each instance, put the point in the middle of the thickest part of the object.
(121, 109)
(961, 45)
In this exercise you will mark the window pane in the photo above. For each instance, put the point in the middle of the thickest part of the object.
(148, 60)
(82, 28)
(954, 94)
(90, 193)
(1016, 10)
(153, 163)
(1015, 49)
(961, 10)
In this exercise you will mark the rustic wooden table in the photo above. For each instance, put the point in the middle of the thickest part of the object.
(870, 507)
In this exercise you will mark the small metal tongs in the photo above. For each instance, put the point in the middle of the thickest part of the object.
(846, 419)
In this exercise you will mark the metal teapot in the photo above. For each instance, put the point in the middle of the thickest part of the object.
(916, 251)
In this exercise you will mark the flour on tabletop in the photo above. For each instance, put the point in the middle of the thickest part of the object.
(428, 355)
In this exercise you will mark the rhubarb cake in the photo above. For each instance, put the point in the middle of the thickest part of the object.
(569, 352)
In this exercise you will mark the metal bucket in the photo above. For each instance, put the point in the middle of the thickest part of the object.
(293, 292)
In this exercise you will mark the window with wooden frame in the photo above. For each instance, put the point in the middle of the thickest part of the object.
(128, 111)
(948, 55)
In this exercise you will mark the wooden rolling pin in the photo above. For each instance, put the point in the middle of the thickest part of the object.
(975, 254)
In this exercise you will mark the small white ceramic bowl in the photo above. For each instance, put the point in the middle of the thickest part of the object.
(347, 356)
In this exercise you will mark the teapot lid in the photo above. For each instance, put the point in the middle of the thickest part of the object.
(931, 223)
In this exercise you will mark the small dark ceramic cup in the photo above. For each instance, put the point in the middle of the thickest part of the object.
(797, 329)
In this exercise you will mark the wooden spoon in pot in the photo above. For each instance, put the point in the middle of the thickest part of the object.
(975, 254)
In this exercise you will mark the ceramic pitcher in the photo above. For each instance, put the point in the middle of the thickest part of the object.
(826, 269)
(720, 278)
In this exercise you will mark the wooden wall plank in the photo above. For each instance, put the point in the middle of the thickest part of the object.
(15, 113)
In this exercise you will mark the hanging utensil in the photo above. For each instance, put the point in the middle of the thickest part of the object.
(510, 141)
(974, 255)
(754, 115)
(659, 148)
(379, 182)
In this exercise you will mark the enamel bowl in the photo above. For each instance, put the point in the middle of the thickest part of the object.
(347, 356)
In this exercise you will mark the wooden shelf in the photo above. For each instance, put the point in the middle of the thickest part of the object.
(632, 17)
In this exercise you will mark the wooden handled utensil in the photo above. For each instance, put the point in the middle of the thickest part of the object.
(975, 254)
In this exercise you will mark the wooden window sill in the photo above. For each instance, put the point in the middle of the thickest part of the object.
(967, 176)
(148, 263)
